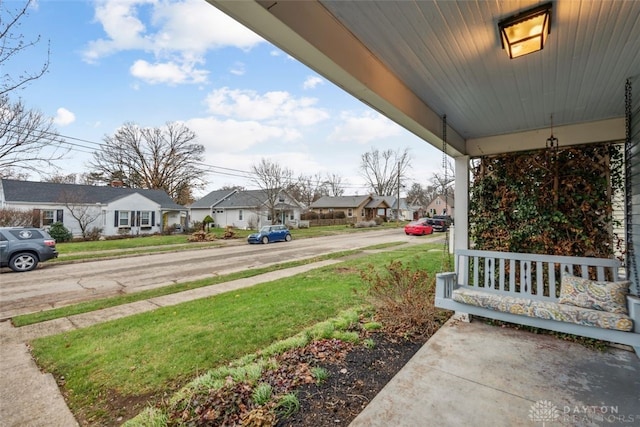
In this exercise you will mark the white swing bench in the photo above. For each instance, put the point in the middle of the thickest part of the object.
(524, 288)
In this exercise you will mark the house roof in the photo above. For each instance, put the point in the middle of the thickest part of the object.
(339, 202)
(378, 201)
(450, 201)
(52, 192)
(212, 199)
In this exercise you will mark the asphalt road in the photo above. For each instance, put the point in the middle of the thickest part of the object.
(53, 285)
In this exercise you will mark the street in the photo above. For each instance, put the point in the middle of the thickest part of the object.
(53, 285)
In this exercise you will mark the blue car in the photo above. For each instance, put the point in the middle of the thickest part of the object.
(270, 233)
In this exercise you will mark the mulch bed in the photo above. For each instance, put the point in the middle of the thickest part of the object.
(352, 382)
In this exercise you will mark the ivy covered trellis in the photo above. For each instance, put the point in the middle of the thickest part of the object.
(553, 201)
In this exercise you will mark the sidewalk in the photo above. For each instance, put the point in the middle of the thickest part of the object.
(30, 398)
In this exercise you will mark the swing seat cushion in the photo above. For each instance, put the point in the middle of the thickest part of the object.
(544, 309)
(585, 293)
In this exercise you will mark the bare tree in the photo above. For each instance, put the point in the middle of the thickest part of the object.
(61, 178)
(271, 178)
(385, 170)
(309, 188)
(28, 140)
(84, 214)
(231, 188)
(417, 195)
(443, 182)
(12, 44)
(154, 158)
(334, 185)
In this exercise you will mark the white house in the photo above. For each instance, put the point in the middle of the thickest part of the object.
(246, 209)
(115, 210)
(199, 209)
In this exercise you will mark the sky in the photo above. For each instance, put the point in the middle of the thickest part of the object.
(151, 62)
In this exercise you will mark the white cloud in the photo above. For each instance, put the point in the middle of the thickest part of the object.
(238, 69)
(312, 81)
(123, 28)
(233, 136)
(64, 117)
(365, 128)
(168, 72)
(274, 107)
(177, 34)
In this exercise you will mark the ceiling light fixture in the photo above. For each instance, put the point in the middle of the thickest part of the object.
(526, 32)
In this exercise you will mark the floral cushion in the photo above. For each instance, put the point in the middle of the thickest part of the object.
(585, 293)
(544, 310)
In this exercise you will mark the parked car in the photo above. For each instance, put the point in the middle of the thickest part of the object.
(270, 233)
(439, 224)
(22, 248)
(418, 227)
(446, 218)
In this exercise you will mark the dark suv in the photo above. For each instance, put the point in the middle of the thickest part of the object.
(22, 248)
(438, 224)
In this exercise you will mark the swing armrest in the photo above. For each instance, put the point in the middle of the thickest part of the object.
(445, 283)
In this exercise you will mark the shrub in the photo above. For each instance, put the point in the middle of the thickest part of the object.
(309, 216)
(404, 299)
(10, 217)
(207, 222)
(195, 226)
(59, 232)
(229, 233)
(201, 236)
(365, 224)
(93, 234)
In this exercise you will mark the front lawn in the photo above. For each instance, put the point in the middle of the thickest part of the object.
(145, 356)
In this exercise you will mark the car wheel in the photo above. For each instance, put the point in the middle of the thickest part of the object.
(23, 262)
(287, 237)
(265, 240)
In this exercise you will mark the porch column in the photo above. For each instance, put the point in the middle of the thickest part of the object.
(461, 203)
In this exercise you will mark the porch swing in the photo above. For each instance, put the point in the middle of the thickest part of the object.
(523, 289)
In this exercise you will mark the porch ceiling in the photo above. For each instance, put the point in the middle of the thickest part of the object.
(415, 61)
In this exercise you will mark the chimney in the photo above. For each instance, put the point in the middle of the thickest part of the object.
(117, 183)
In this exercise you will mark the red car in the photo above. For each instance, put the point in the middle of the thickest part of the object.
(419, 227)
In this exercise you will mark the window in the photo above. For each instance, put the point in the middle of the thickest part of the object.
(47, 217)
(350, 212)
(145, 218)
(362, 213)
(240, 214)
(123, 218)
(291, 217)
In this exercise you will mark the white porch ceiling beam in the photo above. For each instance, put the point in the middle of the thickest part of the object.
(308, 32)
(583, 133)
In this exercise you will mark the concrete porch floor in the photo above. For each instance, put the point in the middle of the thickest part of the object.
(474, 374)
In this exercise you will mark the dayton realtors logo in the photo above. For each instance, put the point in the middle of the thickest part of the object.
(543, 412)
(546, 412)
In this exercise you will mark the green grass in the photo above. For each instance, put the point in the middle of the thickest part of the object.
(155, 352)
(179, 241)
(99, 304)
